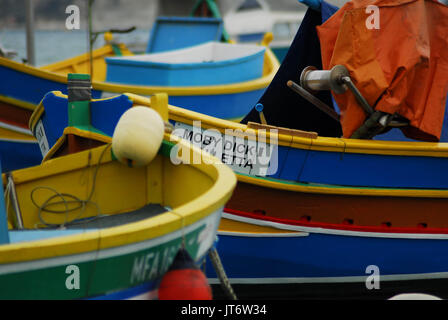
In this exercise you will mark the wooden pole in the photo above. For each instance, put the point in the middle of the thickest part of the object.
(89, 19)
(30, 55)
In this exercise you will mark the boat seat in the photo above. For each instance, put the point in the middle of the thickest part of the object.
(87, 225)
(108, 221)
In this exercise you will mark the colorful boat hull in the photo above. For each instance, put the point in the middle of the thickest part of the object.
(321, 263)
(211, 63)
(27, 85)
(305, 158)
(229, 101)
(332, 161)
(127, 260)
(116, 273)
(330, 216)
(336, 231)
(141, 217)
(19, 153)
(18, 146)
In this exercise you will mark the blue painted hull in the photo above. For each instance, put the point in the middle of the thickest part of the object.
(232, 106)
(361, 170)
(320, 256)
(335, 260)
(28, 87)
(179, 71)
(303, 165)
(19, 154)
(31, 89)
(294, 164)
(106, 113)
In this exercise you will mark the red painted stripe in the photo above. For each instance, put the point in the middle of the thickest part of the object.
(345, 227)
(14, 123)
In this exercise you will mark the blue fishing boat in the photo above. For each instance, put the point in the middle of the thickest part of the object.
(322, 238)
(327, 238)
(230, 98)
(211, 63)
(379, 231)
(171, 65)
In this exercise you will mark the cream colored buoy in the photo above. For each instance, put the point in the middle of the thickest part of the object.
(138, 136)
(414, 296)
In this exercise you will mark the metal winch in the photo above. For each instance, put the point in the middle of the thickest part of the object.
(338, 80)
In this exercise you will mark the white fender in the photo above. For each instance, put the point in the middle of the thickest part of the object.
(138, 136)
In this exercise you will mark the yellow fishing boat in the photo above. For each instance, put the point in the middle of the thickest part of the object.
(88, 226)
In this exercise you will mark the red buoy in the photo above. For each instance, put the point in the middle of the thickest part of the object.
(184, 280)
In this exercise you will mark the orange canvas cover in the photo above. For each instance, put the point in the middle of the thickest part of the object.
(401, 67)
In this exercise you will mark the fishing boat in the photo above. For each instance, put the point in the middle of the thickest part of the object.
(228, 100)
(231, 98)
(86, 226)
(210, 63)
(249, 20)
(18, 147)
(323, 237)
(330, 216)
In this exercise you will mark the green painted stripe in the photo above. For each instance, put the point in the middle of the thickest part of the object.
(100, 276)
(78, 76)
(96, 277)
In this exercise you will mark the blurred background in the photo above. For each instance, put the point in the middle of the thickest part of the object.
(50, 14)
(54, 42)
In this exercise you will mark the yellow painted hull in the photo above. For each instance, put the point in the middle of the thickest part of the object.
(191, 191)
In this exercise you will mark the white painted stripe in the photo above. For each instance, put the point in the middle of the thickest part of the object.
(19, 141)
(150, 295)
(264, 234)
(15, 128)
(284, 226)
(106, 253)
(286, 280)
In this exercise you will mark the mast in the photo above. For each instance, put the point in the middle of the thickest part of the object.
(30, 32)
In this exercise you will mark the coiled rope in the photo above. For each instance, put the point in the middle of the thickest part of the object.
(68, 199)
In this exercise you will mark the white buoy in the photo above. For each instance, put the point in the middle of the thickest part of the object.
(414, 296)
(138, 136)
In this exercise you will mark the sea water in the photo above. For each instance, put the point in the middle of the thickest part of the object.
(56, 45)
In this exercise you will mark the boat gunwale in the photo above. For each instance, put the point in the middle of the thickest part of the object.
(128, 61)
(271, 65)
(294, 186)
(330, 144)
(186, 214)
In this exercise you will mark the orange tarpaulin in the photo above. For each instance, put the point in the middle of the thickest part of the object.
(401, 67)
